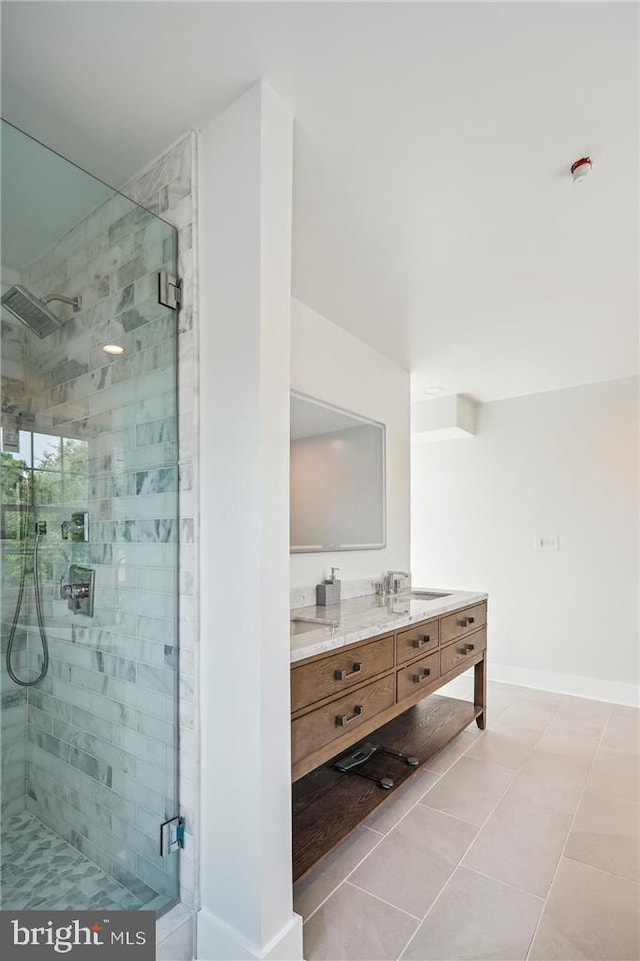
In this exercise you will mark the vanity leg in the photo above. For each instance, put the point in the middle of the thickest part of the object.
(480, 691)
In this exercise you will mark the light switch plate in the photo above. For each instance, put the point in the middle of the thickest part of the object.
(546, 542)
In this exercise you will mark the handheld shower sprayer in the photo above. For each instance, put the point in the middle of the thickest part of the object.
(39, 530)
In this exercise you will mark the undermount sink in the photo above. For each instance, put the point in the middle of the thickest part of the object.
(428, 595)
(300, 625)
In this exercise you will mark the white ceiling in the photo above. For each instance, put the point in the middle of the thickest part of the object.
(434, 215)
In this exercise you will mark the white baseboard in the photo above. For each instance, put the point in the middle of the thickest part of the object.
(218, 941)
(589, 687)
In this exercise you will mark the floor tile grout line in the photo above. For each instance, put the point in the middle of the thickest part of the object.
(408, 811)
(458, 864)
(454, 817)
(395, 907)
(373, 830)
(478, 825)
(506, 884)
(595, 867)
(342, 881)
(566, 840)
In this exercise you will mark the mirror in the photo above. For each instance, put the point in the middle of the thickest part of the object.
(337, 479)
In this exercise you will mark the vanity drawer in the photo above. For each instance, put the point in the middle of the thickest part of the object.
(462, 622)
(326, 724)
(416, 641)
(463, 650)
(331, 675)
(419, 674)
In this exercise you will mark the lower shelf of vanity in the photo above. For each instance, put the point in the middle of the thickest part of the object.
(328, 806)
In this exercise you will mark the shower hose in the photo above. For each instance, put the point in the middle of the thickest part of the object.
(39, 615)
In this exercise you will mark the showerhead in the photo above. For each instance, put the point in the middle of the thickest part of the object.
(33, 311)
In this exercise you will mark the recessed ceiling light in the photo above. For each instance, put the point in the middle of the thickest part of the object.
(431, 391)
(114, 350)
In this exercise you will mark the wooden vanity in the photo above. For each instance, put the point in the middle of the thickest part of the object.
(379, 684)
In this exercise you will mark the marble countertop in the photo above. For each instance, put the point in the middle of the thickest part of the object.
(369, 616)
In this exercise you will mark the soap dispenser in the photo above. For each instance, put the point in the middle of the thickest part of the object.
(329, 591)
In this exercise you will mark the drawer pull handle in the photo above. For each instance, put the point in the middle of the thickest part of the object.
(467, 649)
(343, 675)
(343, 719)
(463, 622)
(419, 641)
(471, 620)
(419, 678)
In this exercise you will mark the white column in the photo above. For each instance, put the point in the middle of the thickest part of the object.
(245, 161)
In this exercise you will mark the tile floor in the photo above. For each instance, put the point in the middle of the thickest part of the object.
(39, 870)
(519, 842)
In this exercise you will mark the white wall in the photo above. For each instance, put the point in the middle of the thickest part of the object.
(334, 366)
(245, 162)
(566, 463)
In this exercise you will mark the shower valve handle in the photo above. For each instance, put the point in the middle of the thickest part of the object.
(78, 588)
(74, 592)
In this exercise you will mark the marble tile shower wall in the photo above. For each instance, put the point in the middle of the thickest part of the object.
(101, 727)
(168, 187)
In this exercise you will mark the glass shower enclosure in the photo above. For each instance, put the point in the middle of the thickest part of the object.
(89, 541)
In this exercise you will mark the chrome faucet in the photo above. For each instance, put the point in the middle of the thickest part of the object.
(391, 581)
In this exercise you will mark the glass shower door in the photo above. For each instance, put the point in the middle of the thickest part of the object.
(89, 538)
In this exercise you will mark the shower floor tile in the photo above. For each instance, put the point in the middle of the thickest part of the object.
(41, 871)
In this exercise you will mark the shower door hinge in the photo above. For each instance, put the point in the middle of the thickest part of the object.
(169, 290)
(171, 836)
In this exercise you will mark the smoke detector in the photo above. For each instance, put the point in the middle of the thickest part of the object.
(580, 170)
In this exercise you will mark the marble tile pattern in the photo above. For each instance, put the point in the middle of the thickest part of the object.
(40, 870)
(536, 858)
(369, 615)
(13, 747)
(13, 383)
(102, 726)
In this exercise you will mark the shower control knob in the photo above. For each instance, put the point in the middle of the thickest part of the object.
(74, 592)
(77, 588)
